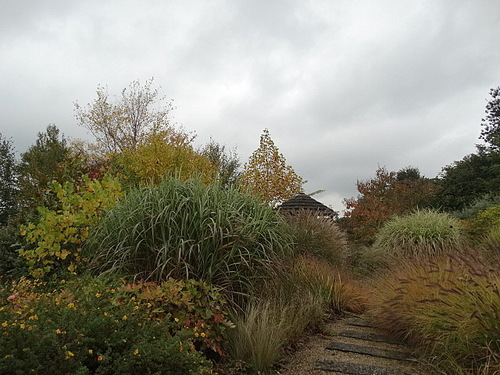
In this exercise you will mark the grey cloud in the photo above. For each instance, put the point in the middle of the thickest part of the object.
(343, 86)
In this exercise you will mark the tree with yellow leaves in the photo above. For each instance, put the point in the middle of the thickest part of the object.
(267, 175)
(164, 154)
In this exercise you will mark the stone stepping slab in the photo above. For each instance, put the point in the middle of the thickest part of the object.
(368, 350)
(367, 336)
(359, 322)
(357, 368)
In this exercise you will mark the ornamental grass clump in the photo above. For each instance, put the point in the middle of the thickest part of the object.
(421, 233)
(491, 241)
(189, 230)
(259, 335)
(317, 236)
(300, 293)
(448, 307)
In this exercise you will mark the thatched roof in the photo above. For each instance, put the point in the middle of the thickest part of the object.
(303, 202)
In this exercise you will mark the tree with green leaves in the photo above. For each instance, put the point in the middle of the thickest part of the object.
(8, 179)
(226, 162)
(469, 179)
(125, 123)
(477, 175)
(491, 124)
(42, 163)
(268, 176)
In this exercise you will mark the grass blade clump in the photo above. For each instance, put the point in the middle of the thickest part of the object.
(266, 327)
(189, 230)
(449, 307)
(491, 241)
(317, 236)
(421, 233)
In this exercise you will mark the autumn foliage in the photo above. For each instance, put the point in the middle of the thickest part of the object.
(58, 236)
(268, 176)
(386, 195)
(165, 153)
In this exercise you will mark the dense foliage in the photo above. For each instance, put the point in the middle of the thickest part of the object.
(268, 176)
(318, 236)
(8, 180)
(467, 180)
(141, 206)
(448, 306)
(59, 234)
(95, 326)
(386, 195)
(491, 124)
(166, 153)
(419, 234)
(47, 160)
(226, 163)
(189, 230)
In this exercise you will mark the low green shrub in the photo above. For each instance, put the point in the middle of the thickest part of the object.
(91, 326)
(487, 219)
(420, 233)
(480, 204)
(317, 236)
(189, 230)
(448, 307)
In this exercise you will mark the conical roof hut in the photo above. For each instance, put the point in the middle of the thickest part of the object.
(303, 202)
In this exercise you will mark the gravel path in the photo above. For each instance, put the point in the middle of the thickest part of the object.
(313, 357)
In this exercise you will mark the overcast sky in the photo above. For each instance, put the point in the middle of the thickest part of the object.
(342, 86)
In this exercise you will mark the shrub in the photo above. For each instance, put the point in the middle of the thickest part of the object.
(420, 233)
(59, 234)
(319, 237)
(487, 219)
(259, 335)
(480, 204)
(449, 307)
(303, 275)
(91, 326)
(189, 230)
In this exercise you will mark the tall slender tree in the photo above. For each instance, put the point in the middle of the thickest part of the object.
(8, 179)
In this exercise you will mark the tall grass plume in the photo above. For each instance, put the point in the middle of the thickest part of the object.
(448, 306)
